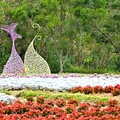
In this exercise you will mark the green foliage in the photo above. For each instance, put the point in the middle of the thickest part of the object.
(5, 91)
(115, 63)
(84, 34)
(29, 93)
(56, 94)
(77, 69)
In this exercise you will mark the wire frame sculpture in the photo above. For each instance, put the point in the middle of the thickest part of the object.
(33, 62)
(14, 64)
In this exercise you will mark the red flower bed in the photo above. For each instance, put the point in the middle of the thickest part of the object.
(60, 109)
(97, 89)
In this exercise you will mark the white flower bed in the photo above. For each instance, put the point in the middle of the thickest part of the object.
(54, 82)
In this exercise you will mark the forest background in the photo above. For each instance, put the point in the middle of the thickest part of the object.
(77, 36)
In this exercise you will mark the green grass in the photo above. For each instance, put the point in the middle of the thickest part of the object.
(55, 94)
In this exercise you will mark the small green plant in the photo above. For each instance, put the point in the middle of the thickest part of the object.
(30, 93)
(5, 91)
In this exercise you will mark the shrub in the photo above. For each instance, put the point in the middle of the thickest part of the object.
(77, 89)
(49, 102)
(83, 106)
(60, 102)
(72, 101)
(40, 99)
(69, 108)
(108, 89)
(117, 86)
(88, 89)
(115, 91)
(98, 89)
(113, 103)
(77, 69)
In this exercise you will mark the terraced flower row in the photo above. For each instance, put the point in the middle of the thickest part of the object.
(97, 89)
(60, 109)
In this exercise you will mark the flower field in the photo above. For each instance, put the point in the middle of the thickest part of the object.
(84, 99)
(60, 109)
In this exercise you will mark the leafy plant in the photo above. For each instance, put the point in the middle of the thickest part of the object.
(71, 110)
(88, 89)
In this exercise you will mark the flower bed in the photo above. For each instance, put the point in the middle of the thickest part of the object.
(60, 109)
(53, 82)
(97, 89)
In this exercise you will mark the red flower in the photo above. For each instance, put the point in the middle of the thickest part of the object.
(40, 99)
(49, 110)
(72, 101)
(88, 89)
(115, 91)
(50, 102)
(117, 86)
(83, 106)
(60, 102)
(108, 89)
(29, 98)
(77, 89)
(113, 103)
(69, 108)
(98, 89)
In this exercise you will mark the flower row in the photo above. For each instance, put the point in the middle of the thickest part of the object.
(60, 109)
(97, 89)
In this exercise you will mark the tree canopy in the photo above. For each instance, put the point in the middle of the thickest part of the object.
(76, 35)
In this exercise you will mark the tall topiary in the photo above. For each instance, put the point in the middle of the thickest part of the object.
(14, 64)
(34, 63)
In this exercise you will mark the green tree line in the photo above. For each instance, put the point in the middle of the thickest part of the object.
(76, 35)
